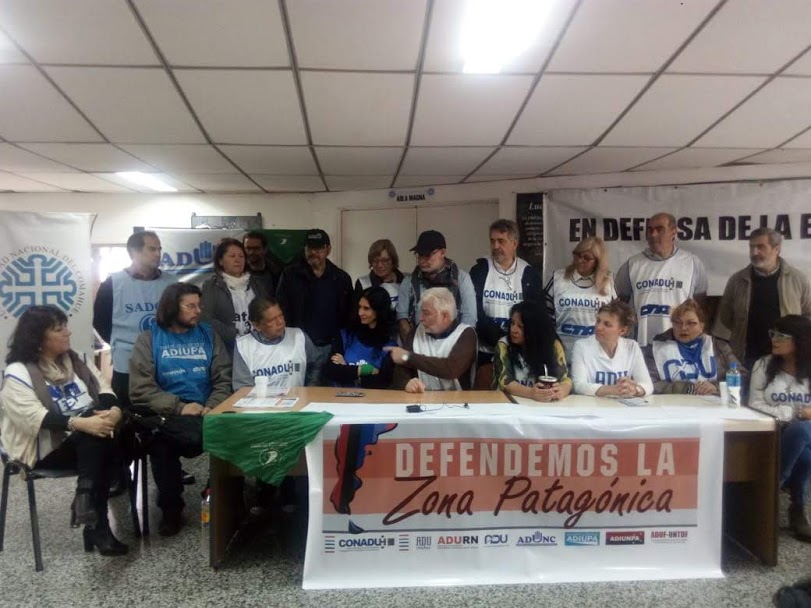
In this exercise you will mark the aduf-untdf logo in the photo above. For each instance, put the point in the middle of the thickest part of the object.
(582, 539)
(36, 275)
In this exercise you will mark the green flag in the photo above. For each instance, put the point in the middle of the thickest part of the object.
(265, 446)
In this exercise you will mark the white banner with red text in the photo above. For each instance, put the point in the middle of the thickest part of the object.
(406, 501)
(714, 222)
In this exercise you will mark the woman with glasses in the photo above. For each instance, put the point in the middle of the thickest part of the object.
(781, 387)
(385, 271)
(685, 360)
(575, 293)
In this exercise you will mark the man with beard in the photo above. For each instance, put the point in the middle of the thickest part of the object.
(316, 296)
(758, 295)
(434, 270)
(256, 253)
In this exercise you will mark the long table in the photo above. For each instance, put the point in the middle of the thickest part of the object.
(751, 455)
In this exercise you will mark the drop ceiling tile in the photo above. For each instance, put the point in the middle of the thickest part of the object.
(443, 161)
(801, 67)
(9, 52)
(31, 109)
(610, 35)
(526, 161)
(571, 110)
(609, 160)
(774, 114)
(245, 107)
(218, 182)
(15, 160)
(182, 159)
(677, 108)
(467, 110)
(77, 182)
(216, 33)
(79, 31)
(357, 109)
(357, 34)
(803, 140)
(748, 36)
(478, 177)
(781, 155)
(407, 181)
(693, 158)
(15, 183)
(290, 183)
(130, 105)
(165, 178)
(357, 182)
(443, 52)
(272, 160)
(95, 158)
(358, 161)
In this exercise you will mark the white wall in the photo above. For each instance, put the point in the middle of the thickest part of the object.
(118, 213)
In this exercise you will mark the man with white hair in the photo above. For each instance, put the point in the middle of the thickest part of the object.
(440, 353)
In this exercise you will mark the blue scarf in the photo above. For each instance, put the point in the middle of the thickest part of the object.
(691, 351)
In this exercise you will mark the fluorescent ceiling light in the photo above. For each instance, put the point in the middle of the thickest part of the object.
(494, 32)
(146, 180)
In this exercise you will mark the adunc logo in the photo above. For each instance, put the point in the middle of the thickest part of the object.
(538, 539)
(37, 279)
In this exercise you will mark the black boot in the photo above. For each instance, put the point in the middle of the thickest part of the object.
(101, 537)
(798, 522)
(83, 509)
(171, 522)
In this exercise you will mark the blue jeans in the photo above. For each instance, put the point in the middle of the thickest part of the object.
(795, 459)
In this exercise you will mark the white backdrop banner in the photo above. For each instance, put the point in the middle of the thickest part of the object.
(45, 259)
(714, 222)
(512, 499)
(189, 253)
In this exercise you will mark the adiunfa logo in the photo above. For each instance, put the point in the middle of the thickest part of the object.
(40, 275)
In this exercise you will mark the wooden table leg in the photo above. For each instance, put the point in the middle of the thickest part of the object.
(751, 479)
(226, 507)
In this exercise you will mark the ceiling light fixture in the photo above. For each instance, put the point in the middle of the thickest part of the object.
(494, 32)
(146, 180)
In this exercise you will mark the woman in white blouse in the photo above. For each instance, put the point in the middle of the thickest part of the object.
(781, 387)
(608, 364)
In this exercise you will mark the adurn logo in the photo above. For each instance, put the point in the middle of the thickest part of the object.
(582, 539)
(629, 537)
(457, 542)
(537, 539)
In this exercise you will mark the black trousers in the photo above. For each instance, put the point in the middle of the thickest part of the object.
(120, 384)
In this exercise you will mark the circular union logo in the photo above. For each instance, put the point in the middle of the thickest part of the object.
(147, 322)
(268, 457)
(38, 279)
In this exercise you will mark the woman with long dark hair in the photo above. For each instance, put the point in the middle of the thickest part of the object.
(530, 360)
(781, 387)
(60, 413)
(358, 358)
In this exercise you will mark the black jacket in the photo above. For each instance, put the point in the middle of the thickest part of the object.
(489, 331)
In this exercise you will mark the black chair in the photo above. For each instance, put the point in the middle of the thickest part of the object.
(15, 467)
(140, 469)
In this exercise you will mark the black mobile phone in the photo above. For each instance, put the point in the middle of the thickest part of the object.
(350, 394)
(413, 409)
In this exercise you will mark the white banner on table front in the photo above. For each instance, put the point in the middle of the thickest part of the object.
(189, 253)
(399, 501)
(45, 259)
(714, 222)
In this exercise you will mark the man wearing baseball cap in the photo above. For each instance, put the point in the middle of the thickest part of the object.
(434, 270)
(316, 295)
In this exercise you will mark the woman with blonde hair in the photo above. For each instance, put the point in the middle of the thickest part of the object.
(384, 265)
(576, 293)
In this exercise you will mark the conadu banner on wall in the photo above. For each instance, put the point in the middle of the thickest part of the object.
(714, 222)
(512, 499)
(45, 259)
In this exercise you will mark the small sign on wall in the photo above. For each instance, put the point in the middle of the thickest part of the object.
(529, 215)
(412, 196)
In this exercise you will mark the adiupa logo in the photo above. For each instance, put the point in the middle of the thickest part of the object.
(376, 543)
(423, 542)
(498, 540)
(192, 351)
(537, 539)
(582, 539)
(35, 275)
(669, 536)
(457, 542)
(629, 537)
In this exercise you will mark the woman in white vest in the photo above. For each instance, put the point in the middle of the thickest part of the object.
(684, 359)
(576, 292)
(384, 264)
(607, 364)
(440, 353)
(781, 387)
(282, 354)
(228, 293)
(529, 360)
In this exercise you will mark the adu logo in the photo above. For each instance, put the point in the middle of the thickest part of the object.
(582, 539)
(496, 539)
(538, 539)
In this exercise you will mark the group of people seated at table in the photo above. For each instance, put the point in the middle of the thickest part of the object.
(180, 350)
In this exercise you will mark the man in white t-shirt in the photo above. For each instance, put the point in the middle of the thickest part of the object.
(660, 278)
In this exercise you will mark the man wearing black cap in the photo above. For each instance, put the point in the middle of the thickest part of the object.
(434, 270)
(316, 295)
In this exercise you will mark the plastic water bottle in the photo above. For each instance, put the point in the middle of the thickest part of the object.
(734, 385)
(205, 523)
